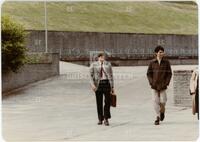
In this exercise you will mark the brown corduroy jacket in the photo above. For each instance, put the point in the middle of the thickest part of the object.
(159, 76)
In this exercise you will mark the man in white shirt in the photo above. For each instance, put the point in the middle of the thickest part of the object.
(101, 76)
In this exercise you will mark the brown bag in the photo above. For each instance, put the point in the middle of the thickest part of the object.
(113, 100)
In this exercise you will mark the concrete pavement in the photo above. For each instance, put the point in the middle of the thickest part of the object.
(63, 108)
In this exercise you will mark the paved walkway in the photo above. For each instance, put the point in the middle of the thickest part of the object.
(63, 108)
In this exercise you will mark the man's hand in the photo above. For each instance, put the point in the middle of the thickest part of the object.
(94, 88)
(112, 91)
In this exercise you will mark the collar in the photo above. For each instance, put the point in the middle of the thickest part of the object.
(156, 60)
(100, 62)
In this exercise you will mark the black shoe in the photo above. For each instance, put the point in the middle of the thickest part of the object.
(157, 121)
(162, 116)
(100, 122)
(106, 122)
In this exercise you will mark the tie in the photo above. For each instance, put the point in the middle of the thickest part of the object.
(101, 73)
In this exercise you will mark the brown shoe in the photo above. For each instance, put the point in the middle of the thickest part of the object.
(100, 122)
(157, 121)
(106, 122)
(162, 116)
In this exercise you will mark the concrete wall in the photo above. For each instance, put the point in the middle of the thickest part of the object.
(77, 46)
(141, 62)
(181, 80)
(30, 73)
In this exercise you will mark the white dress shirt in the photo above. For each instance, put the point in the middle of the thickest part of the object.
(159, 60)
(103, 75)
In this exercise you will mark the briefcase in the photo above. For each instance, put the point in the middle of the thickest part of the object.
(113, 100)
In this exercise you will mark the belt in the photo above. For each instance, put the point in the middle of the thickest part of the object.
(104, 80)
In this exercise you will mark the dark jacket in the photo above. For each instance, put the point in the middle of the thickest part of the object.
(159, 76)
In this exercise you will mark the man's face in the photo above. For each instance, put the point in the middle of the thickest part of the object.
(160, 54)
(101, 58)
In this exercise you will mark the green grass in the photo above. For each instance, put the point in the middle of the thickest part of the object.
(129, 17)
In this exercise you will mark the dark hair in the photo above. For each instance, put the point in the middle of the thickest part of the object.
(158, 48)
(100, 54)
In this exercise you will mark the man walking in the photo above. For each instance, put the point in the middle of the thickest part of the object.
(159, 75)
(102, 84)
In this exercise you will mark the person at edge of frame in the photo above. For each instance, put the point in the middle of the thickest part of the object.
(194, 91)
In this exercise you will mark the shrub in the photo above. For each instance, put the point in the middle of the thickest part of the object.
(13, 45)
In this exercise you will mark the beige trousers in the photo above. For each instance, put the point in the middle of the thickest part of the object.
(159, 101)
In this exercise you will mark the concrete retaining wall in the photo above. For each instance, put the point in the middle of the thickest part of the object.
(181, 81)
(30, 73)
(77, 46)
(141, 62)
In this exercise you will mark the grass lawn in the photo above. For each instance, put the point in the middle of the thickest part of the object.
(128, 17)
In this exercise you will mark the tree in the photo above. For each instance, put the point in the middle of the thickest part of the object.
(13, 45)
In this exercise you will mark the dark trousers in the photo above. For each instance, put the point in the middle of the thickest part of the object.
(197, 103)
(197, 98)
(103, 90)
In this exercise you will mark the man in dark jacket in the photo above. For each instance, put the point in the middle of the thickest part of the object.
(159, 75)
